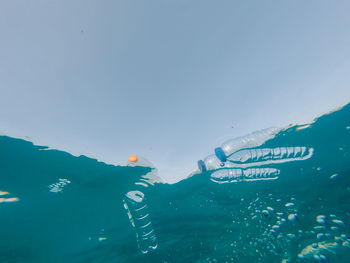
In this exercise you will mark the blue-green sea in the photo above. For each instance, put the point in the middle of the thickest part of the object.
(195, 220)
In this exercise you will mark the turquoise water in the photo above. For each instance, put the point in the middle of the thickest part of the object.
(195, 220)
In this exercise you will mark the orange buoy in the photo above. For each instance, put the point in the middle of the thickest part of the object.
(133, 158)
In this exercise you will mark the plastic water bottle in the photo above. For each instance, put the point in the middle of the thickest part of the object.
(217, 161)
(279, 154)
(235, 175)
(134, 203)
(254, 139)
(211, 162)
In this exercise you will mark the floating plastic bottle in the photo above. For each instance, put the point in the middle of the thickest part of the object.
(134, 203)
(239, 152)
(211, 162)
(272, 155)
(235, 175)
(151, 177)
(254, 139)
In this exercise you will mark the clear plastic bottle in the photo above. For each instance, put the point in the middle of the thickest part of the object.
(135, 204)
(251, 140)
(211, 162)
(217, 161)
(236, 175)
(271, 155)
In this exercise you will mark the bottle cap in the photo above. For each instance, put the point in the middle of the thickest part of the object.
(201, 166)
(220, 154)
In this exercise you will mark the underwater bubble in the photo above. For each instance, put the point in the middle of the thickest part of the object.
(270, 209)
(321, 219)
(338, 222)
(347, 127)
(275, 227)
(292, 217)
(265, 212)
(333, 176)
(319, 228)
(291, 236)
(289, 204)
(321, 236)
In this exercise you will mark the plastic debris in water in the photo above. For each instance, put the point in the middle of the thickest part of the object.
(270, 155)
(239, 175)
(254, 139)
(134, 203)
(58, 187)
(151, 177)
(237, 154)
(253, 157)
(133, 158)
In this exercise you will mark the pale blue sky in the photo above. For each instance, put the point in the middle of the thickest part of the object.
(167, 79)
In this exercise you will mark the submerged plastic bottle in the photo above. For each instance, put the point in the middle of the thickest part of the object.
(279, 154)
(236, 175)
(134, 203)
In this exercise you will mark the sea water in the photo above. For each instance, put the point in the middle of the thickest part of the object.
(55, 207)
